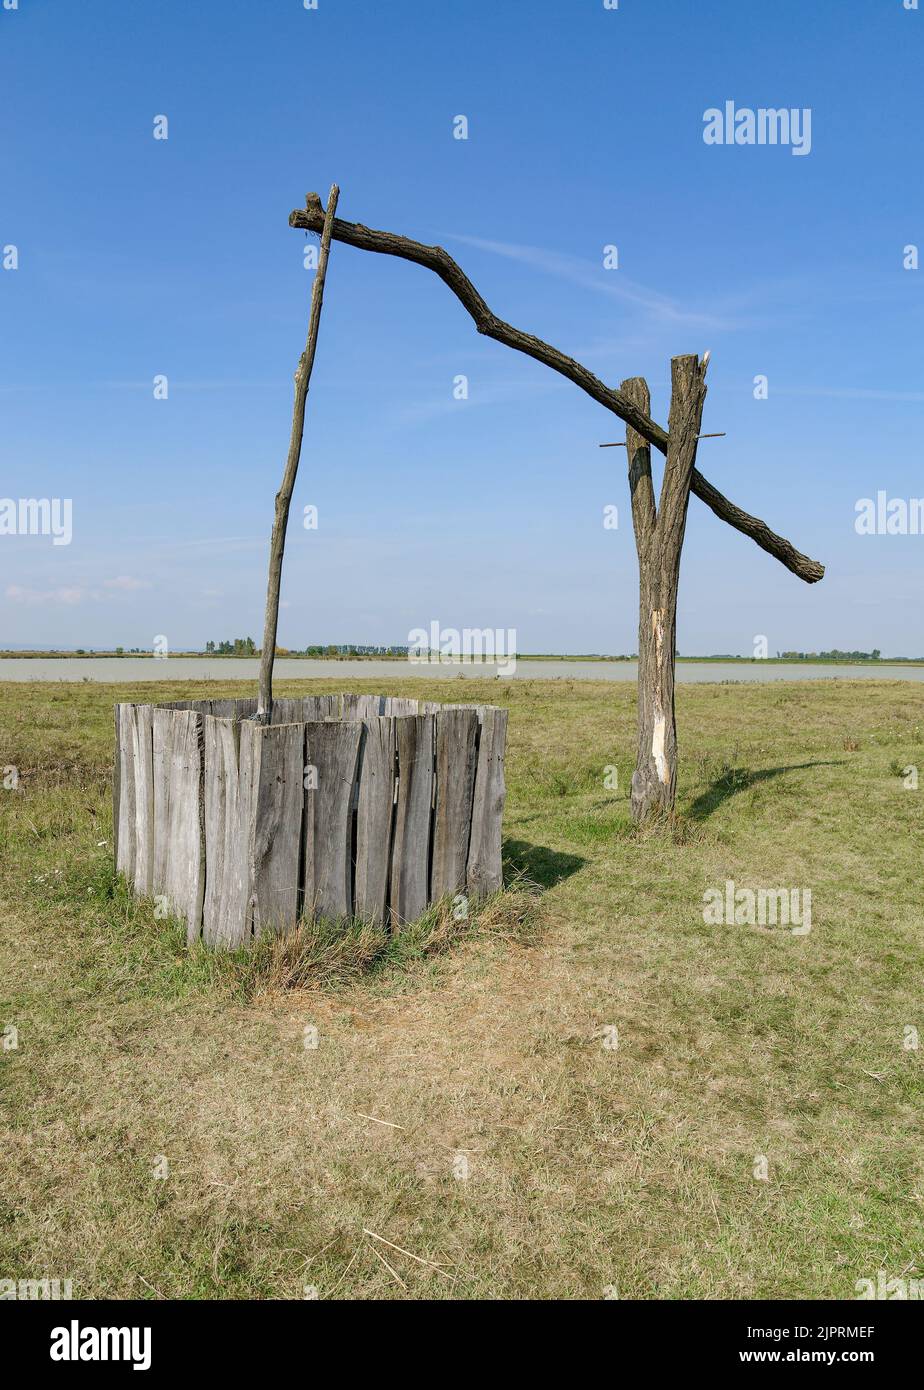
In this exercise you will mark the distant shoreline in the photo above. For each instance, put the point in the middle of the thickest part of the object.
(88, 655)
(181, 670)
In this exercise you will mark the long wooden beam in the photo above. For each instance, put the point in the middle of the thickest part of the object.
(311, 219)
(286, 487)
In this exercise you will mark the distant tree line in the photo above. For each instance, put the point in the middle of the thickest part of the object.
(354, 649)
(245, 646)
(834, 655)
(238, 646)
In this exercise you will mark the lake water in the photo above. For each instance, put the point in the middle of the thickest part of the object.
(131, 669)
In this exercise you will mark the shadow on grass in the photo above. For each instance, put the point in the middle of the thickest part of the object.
(542, 866)
(739, 779)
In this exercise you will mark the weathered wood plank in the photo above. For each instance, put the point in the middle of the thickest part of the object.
(125, 841)
(456, 732)
(411, 849)
(287, 711)
(226, 918)
(116, 785)
(277, 759)
(184, 882)
(305, 709)
(232, 709)
(363, 706)
(399, 705)
(374, 814)
(484, 874)
(331, 760)
(179, 847)
(142, 763)
(162, 761)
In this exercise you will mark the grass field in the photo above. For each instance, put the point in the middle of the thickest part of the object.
(512, 1148)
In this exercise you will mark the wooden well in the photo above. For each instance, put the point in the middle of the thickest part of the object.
(345, 806)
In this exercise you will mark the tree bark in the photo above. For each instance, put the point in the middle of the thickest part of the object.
(659, 533)
(284, 495)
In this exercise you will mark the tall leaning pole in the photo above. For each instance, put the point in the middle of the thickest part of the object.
(284, 495)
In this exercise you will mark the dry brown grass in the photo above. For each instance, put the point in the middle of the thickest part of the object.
(586, 1166)
(330, 955)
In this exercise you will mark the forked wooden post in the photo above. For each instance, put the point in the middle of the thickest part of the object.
(659, 532)
(284, 495)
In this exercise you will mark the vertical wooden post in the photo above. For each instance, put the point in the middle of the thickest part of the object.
(659, 541)
(284, 495)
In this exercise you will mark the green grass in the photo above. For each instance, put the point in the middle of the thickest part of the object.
(484, 1041)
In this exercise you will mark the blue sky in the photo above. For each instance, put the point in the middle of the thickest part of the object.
(140, 257)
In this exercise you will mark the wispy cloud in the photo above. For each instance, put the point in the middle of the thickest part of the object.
(19, 593)
(72, 594)
(613, 283)
(500, 393)
(126, 582)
